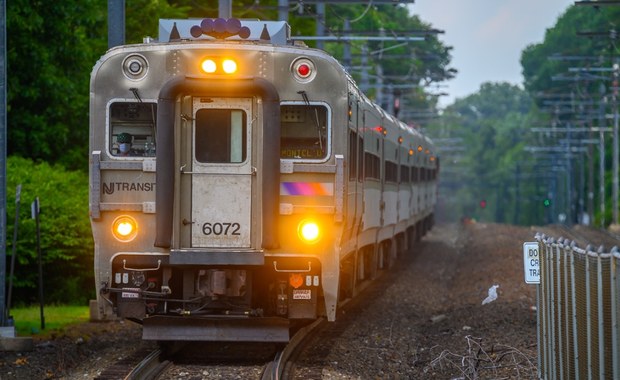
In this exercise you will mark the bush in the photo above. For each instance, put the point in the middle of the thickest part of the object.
(66, 238)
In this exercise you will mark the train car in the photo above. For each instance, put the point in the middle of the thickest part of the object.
(241, 184)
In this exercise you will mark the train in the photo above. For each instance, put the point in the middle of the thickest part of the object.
(242, 184)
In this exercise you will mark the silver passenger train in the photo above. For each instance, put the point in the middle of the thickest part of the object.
(242, 184)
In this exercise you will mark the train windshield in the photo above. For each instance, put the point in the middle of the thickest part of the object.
(221, 136)
(304, 131)
(132, 128)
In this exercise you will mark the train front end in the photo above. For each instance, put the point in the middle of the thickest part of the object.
(215, 191)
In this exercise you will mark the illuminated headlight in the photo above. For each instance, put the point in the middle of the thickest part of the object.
(209, 66)
(309, 231)
(125, 228)
(229, 66)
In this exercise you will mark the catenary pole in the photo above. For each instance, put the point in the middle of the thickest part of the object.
(615, 154)
(601, 150)
(116, 23)
(3, 128)
(225, 9)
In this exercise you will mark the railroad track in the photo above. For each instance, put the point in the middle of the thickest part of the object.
(279, 368)
(136, 364)
(150, 367)
(265, 361)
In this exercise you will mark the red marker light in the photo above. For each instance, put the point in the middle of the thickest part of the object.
(303, 70)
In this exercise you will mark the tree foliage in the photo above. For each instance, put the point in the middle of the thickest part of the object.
(51, 47)
(66, 240)
(583, 37)
(570, 75)
(482, 140)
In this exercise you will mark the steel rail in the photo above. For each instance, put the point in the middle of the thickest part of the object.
(149, 368)
(275, 370)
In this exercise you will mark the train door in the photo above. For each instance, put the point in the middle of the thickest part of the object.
(222, 173)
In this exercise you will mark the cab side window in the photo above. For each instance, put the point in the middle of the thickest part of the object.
(132, 129)
(304, 131)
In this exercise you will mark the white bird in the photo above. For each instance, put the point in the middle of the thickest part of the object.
(492, 295)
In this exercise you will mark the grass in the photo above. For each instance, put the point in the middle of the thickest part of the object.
(28, 319)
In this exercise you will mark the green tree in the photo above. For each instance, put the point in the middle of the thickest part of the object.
(142, 17)
(66, 238)
(582, 37)
(482, 136)
(51, 49)
(569, 75)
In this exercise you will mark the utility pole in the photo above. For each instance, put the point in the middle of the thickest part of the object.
(517, 195)
(283, 10)
(590, 194)
(3, 129)
(615, 154)
(116, 23)
(320, 24)
(365, 82)
(569, 177)
(601, 148)
(346, 54)
(224, 9)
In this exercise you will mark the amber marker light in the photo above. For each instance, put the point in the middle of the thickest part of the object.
(209, 66)
(124, 228)
(229, 66)
(309, 231)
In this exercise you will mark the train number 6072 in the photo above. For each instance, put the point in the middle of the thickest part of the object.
(221, 228)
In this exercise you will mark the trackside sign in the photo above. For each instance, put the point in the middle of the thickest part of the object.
(531, 262)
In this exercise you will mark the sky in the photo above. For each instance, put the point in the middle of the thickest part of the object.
(487, 37)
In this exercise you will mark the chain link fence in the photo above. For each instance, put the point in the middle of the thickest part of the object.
(578, 309)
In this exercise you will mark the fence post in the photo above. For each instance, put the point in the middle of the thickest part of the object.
(558, 305)
(551, 318)
(542, 247)
(601, 320)
(588, 316)
(615, 350)
(574, 303)
(567, 311)
(35, 214)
